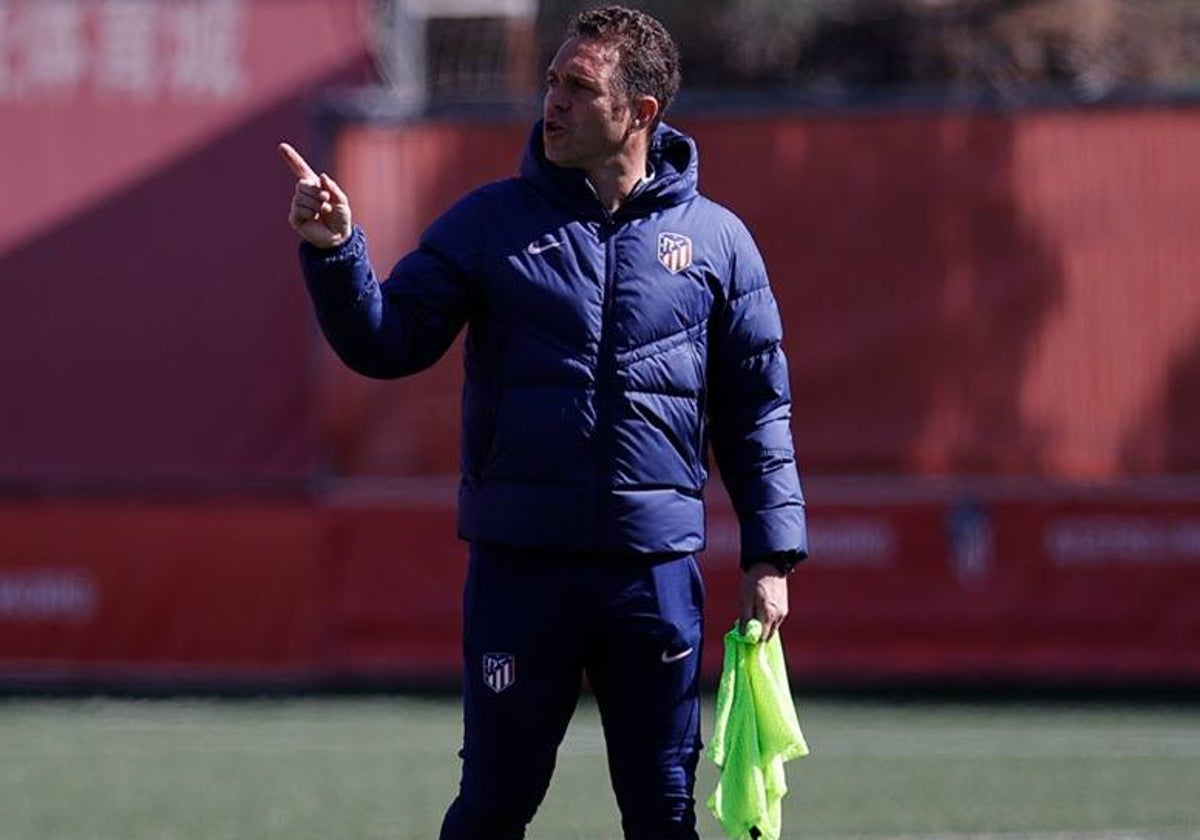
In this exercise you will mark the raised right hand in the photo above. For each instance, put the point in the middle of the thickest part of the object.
(320, 211)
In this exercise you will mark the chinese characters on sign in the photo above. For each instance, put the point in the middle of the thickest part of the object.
(127, 50)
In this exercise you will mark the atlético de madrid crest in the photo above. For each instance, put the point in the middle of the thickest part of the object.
(674, 251)
(499, 670)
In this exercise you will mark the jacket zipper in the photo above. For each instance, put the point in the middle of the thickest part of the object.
(605, 383)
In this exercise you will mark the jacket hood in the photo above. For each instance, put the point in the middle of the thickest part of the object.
(673, 159)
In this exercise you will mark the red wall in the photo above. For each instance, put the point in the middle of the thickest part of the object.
(998, 294)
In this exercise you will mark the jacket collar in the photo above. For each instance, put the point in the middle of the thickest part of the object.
(673, 160)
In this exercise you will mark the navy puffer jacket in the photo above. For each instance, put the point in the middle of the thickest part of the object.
(603, 355)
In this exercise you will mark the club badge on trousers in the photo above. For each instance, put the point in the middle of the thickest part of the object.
(499, 671)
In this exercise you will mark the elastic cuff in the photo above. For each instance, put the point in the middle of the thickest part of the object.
(351, 249)
(783, 561)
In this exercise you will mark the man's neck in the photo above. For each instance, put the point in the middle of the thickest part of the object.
(617, 178)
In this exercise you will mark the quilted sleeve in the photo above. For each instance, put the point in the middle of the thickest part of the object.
(749, 411)
(407, 323)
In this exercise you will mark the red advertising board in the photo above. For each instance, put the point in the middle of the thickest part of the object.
(937, 590)
(209, 592)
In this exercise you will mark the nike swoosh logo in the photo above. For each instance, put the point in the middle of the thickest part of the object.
(675, 657)
(536, 248)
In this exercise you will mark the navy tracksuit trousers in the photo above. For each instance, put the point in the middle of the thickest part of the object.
(535, 623)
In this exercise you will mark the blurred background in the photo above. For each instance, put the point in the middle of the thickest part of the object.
(980, 221)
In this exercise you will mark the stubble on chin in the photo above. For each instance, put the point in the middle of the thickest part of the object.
(556, 155)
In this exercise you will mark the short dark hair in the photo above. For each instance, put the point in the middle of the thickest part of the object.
(647, 56)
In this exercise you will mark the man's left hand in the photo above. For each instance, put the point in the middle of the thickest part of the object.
(764, 595)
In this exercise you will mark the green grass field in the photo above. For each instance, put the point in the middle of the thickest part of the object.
(386, 768)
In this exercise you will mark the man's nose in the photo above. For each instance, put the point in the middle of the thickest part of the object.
(555, 101)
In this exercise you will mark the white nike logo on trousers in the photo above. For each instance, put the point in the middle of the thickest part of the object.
(536, 248)
(675, 657)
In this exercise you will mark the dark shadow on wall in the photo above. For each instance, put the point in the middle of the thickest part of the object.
(1183, 415)
(1168, 441)
(160, 339)
(913, 289)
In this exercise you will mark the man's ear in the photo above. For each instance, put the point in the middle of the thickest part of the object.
(645, 111)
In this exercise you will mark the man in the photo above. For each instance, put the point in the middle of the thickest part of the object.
(617, 321)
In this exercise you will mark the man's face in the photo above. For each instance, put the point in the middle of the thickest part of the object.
(587, 115)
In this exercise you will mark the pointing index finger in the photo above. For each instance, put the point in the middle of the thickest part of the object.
(298, 165)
